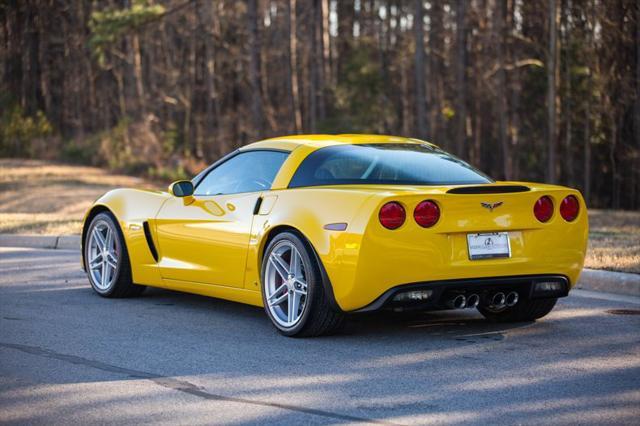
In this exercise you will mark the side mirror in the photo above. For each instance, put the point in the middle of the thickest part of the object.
(181, 188)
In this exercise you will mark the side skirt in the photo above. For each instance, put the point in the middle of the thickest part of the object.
(233, 294)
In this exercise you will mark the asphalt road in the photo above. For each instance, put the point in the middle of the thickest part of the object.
(69, 356)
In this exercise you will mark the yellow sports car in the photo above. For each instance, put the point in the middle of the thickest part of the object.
(316, 227)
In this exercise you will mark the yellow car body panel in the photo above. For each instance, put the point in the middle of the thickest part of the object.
(214, 245)
(205, 239)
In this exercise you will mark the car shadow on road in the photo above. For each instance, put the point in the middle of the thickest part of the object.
(444, 366)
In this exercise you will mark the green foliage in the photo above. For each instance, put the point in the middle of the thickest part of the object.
(19, 132)
(168, 174)
(117, 152)
(84, 150)
(108, 25)
(448, 112)
(171, 139)
(359, 106)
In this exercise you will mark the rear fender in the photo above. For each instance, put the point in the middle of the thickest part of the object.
(308, 211)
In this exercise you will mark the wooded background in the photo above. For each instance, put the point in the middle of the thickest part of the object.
(544, 90)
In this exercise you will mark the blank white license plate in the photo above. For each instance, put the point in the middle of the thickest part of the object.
(488, 245)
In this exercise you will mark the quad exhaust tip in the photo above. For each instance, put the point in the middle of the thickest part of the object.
(458, 302)
(473, 300)
(498, 299)
(512, 298)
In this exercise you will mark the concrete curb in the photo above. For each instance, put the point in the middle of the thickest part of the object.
(590, 279)
(610, 282)
(63, 242)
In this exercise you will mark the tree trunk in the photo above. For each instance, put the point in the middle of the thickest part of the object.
(501, 92)
(196, 92)
(514, 89)
(384, 49)
(326, 44)
(586, 183)
(137, 71)
(552, 72)
(346, 21)
(313, 68)
(568, 142)
(420, 100)
(613, 139)
(212, 107)
(320, 60)
(257, 113)
(435, 74)
(636, 112)
(461, 80)
(291, 66)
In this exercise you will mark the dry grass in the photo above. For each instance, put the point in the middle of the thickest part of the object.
(614, 240)
(38, 197)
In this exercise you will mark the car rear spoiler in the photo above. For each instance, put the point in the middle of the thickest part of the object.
(488, 189)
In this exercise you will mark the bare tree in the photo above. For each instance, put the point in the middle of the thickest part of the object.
(636, 115)
(176, 83)
(501, 88)
(292, 65)
(257, 112)
(552, 77)
(420, 99)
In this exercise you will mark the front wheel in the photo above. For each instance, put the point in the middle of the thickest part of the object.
(292, 290)
(107, 260)
(524, 310)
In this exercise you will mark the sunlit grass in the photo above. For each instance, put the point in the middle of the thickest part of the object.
(614, 240)
(38, 197)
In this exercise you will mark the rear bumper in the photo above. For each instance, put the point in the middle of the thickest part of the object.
(525, 285)
(376, 265)
(368, 261)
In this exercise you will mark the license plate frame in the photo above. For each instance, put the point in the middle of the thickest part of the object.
(488, 245)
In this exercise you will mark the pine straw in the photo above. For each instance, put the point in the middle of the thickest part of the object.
(38, 197)
(614, 240)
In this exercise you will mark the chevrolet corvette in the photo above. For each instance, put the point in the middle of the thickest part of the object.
(314, 228)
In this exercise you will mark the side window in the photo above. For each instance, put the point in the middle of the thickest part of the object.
(249, 171)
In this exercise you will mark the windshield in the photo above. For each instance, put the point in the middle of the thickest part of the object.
(395, 164)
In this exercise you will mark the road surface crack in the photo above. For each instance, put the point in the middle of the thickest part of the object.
(182, 385)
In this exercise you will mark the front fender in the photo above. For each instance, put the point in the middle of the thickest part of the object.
(131, 208)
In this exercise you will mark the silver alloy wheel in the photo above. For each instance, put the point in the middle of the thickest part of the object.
(103, 255)
(285, 284)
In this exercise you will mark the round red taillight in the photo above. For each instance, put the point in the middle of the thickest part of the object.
(543, 209)
(426, 213)
(569, 208)
(392, 215)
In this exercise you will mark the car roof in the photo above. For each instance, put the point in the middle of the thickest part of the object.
(289, 143)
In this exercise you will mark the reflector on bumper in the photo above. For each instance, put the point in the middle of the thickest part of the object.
(413, 296)
(549, 288)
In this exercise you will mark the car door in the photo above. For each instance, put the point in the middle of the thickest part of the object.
(205, 238)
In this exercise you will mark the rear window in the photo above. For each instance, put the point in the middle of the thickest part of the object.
(396, 164)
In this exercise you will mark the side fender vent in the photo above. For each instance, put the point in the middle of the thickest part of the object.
(489, 189)
(256, 207)
(150, 243)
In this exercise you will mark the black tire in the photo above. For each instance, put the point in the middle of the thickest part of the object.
(317, 318)
(122, 285)
(524, 310)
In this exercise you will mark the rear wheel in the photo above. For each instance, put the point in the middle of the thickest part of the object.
(292, 290)
(524, 310)
(107, 260)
